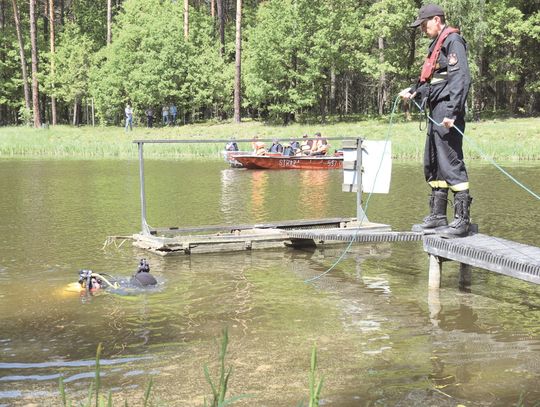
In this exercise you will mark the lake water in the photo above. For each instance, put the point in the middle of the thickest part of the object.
(382, 339)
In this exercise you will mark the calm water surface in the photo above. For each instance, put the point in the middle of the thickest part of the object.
(381, 338)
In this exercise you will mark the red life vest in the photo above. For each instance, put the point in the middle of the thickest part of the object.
(431, 60)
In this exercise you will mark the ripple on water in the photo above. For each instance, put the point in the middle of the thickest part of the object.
(382, 339)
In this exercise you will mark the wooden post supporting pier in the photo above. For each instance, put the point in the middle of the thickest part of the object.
(434, 306)
(465, 276)
(435, 271)
(488, 252)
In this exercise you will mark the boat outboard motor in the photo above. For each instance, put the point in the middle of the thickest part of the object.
(142, 277)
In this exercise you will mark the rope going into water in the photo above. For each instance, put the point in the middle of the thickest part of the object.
(483, 154)
(366, 206)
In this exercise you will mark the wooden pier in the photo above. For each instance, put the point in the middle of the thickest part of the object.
(488, 252)
(167, 241)
(491, 253)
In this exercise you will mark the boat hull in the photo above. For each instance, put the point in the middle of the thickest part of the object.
(229, 156)
(289, 163)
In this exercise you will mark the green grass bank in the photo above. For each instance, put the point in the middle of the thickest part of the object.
(501, 139)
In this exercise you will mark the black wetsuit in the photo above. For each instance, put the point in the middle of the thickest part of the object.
(143, 279)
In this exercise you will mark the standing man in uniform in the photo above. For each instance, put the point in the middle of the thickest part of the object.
(443, 87)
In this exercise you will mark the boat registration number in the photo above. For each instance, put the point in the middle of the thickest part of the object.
(295, 162)
(288, 163)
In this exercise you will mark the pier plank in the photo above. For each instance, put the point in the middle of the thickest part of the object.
(488, 252)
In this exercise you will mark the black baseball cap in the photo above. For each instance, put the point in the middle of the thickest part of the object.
(426, 12)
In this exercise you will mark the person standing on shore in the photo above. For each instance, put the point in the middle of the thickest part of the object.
(444, 85)
(172, 113)
(165, 115)
(149, 117)
(129, 117)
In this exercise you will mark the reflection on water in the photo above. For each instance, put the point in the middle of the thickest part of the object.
(259, 196)
(313, 187)
(259, 181)
(468, 343)
(382, 337)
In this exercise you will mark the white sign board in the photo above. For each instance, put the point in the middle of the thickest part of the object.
(376, 165)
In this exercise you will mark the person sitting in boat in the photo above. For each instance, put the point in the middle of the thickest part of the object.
(305, 145)
(295, 145)
(276, 147)
(258, 146)
(232, 146)
(317, 143)
(288, 150)
(322, 149)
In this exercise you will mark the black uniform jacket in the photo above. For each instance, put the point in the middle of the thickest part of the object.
(451, 81)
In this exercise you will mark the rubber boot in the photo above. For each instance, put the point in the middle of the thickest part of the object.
(437, 217)
(459, 227)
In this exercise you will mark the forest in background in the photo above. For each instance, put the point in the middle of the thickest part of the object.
(68, 61)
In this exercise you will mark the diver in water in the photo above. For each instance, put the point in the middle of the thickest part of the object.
(92, 282)
(142, 277)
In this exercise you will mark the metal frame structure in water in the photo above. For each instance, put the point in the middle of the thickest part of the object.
(239, 237)
(146, 230)
(494, 254)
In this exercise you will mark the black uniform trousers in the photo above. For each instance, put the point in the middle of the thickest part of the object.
(443, 155)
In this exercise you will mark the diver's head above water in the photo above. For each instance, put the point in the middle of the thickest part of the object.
(144, 267)
(142, 277)
(90, 280)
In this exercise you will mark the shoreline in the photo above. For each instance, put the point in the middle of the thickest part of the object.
(514, 140)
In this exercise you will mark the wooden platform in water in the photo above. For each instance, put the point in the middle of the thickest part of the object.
(488, 252)
(166, 241)
(491, 253)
